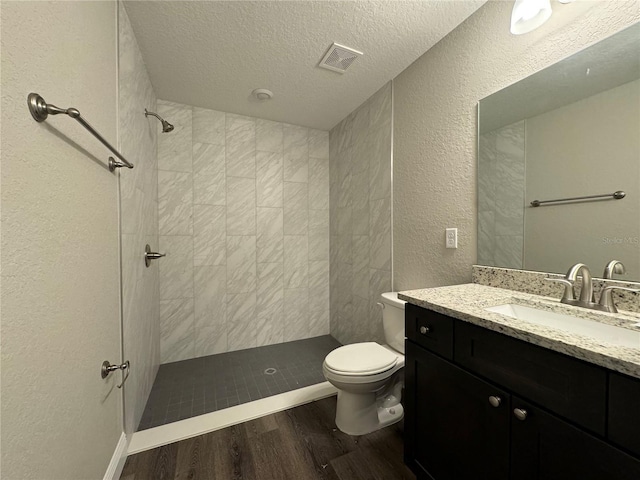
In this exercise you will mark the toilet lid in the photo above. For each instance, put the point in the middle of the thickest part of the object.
(366, 358)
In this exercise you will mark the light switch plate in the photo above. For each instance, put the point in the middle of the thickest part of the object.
(451, 238)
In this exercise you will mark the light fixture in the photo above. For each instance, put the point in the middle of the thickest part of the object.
(527, 15)
(262, 94)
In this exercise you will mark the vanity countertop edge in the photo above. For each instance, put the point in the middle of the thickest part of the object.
(467, 302)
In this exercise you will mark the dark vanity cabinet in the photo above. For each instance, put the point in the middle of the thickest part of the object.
(482, 405)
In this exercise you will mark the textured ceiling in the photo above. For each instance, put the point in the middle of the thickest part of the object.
(213, 54)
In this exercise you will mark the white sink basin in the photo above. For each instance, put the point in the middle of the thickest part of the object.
(600, 331)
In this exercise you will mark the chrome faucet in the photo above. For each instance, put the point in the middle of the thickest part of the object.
(614, 266)
(586, 290)
(587, 299)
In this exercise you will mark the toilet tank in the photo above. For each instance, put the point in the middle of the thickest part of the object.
(393, 320)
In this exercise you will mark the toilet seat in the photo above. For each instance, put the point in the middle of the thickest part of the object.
(360, 359)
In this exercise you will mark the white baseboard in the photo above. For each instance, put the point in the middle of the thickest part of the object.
(118, 459)
(210, 422)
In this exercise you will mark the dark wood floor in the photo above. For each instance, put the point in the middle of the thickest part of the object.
(297, 444)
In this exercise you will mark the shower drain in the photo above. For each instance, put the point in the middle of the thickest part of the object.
(270, 371)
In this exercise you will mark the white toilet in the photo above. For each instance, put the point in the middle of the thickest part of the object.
(369, 376)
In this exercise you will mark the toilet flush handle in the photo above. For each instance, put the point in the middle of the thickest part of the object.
(380, 304)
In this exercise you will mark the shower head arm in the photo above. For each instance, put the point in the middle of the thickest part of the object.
(147, 113)
(166, 126)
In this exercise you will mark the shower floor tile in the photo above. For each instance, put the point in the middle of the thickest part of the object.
(202, 385)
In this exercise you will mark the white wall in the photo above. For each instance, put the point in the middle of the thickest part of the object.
(60, 276)
(139, 223)
(435, 126)
(244, 221)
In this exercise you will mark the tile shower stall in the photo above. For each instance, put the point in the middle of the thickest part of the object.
(277, 240)
(243, 214)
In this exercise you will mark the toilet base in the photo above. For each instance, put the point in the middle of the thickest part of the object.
(358, 414)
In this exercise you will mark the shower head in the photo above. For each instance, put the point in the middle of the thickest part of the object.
(166, 126)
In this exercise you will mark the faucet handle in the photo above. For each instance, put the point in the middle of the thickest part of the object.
(606, 297)
(569, 293)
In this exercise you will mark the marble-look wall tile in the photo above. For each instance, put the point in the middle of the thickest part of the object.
(318, 144)
(508, 250)
(318, 323)
(361, 265)
(296, 208)
(138, 136)
(176, 269)
(296, 153)
(486, 238)
(270, 241)
(175, 203)
(318, 235)
(269, 183)
(319, 286)
(380, 235)
(360, 320)
(210, 310)
(208, 126)
(211, 340)
(209, 178)
(241, 206)
(360, 219)
(270, 304)
(501, 182)
(295, 313)
(174, 148)
(380, 109)
(269, 136)
(241, 313)
(379, 165)
(209, 235)
(241, 146)
(250, 181)
(296, 265)
(210, 296)
(360, 127)
(318, 183)
(177, 338)
(379, 283)
(241, 264)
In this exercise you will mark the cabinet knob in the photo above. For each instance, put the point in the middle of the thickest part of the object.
(520, 414)
(424, 330)
(495, 401)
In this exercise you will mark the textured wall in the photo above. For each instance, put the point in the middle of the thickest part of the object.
(435, 125)
(139, 223)
(360, 161)
(244, 221)
(501, 189)
(60, 268)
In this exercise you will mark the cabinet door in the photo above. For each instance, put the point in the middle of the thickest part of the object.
(452, 429)
(546, 448)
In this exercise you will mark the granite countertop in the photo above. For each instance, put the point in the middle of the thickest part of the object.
(468, 302)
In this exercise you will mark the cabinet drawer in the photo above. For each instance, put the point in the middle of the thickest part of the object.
(564, 385)
(624, 417)
(430, 330)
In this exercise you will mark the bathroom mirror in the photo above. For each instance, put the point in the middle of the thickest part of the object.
(570, 130)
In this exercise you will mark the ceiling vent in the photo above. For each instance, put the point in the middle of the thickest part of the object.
(338, 58)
